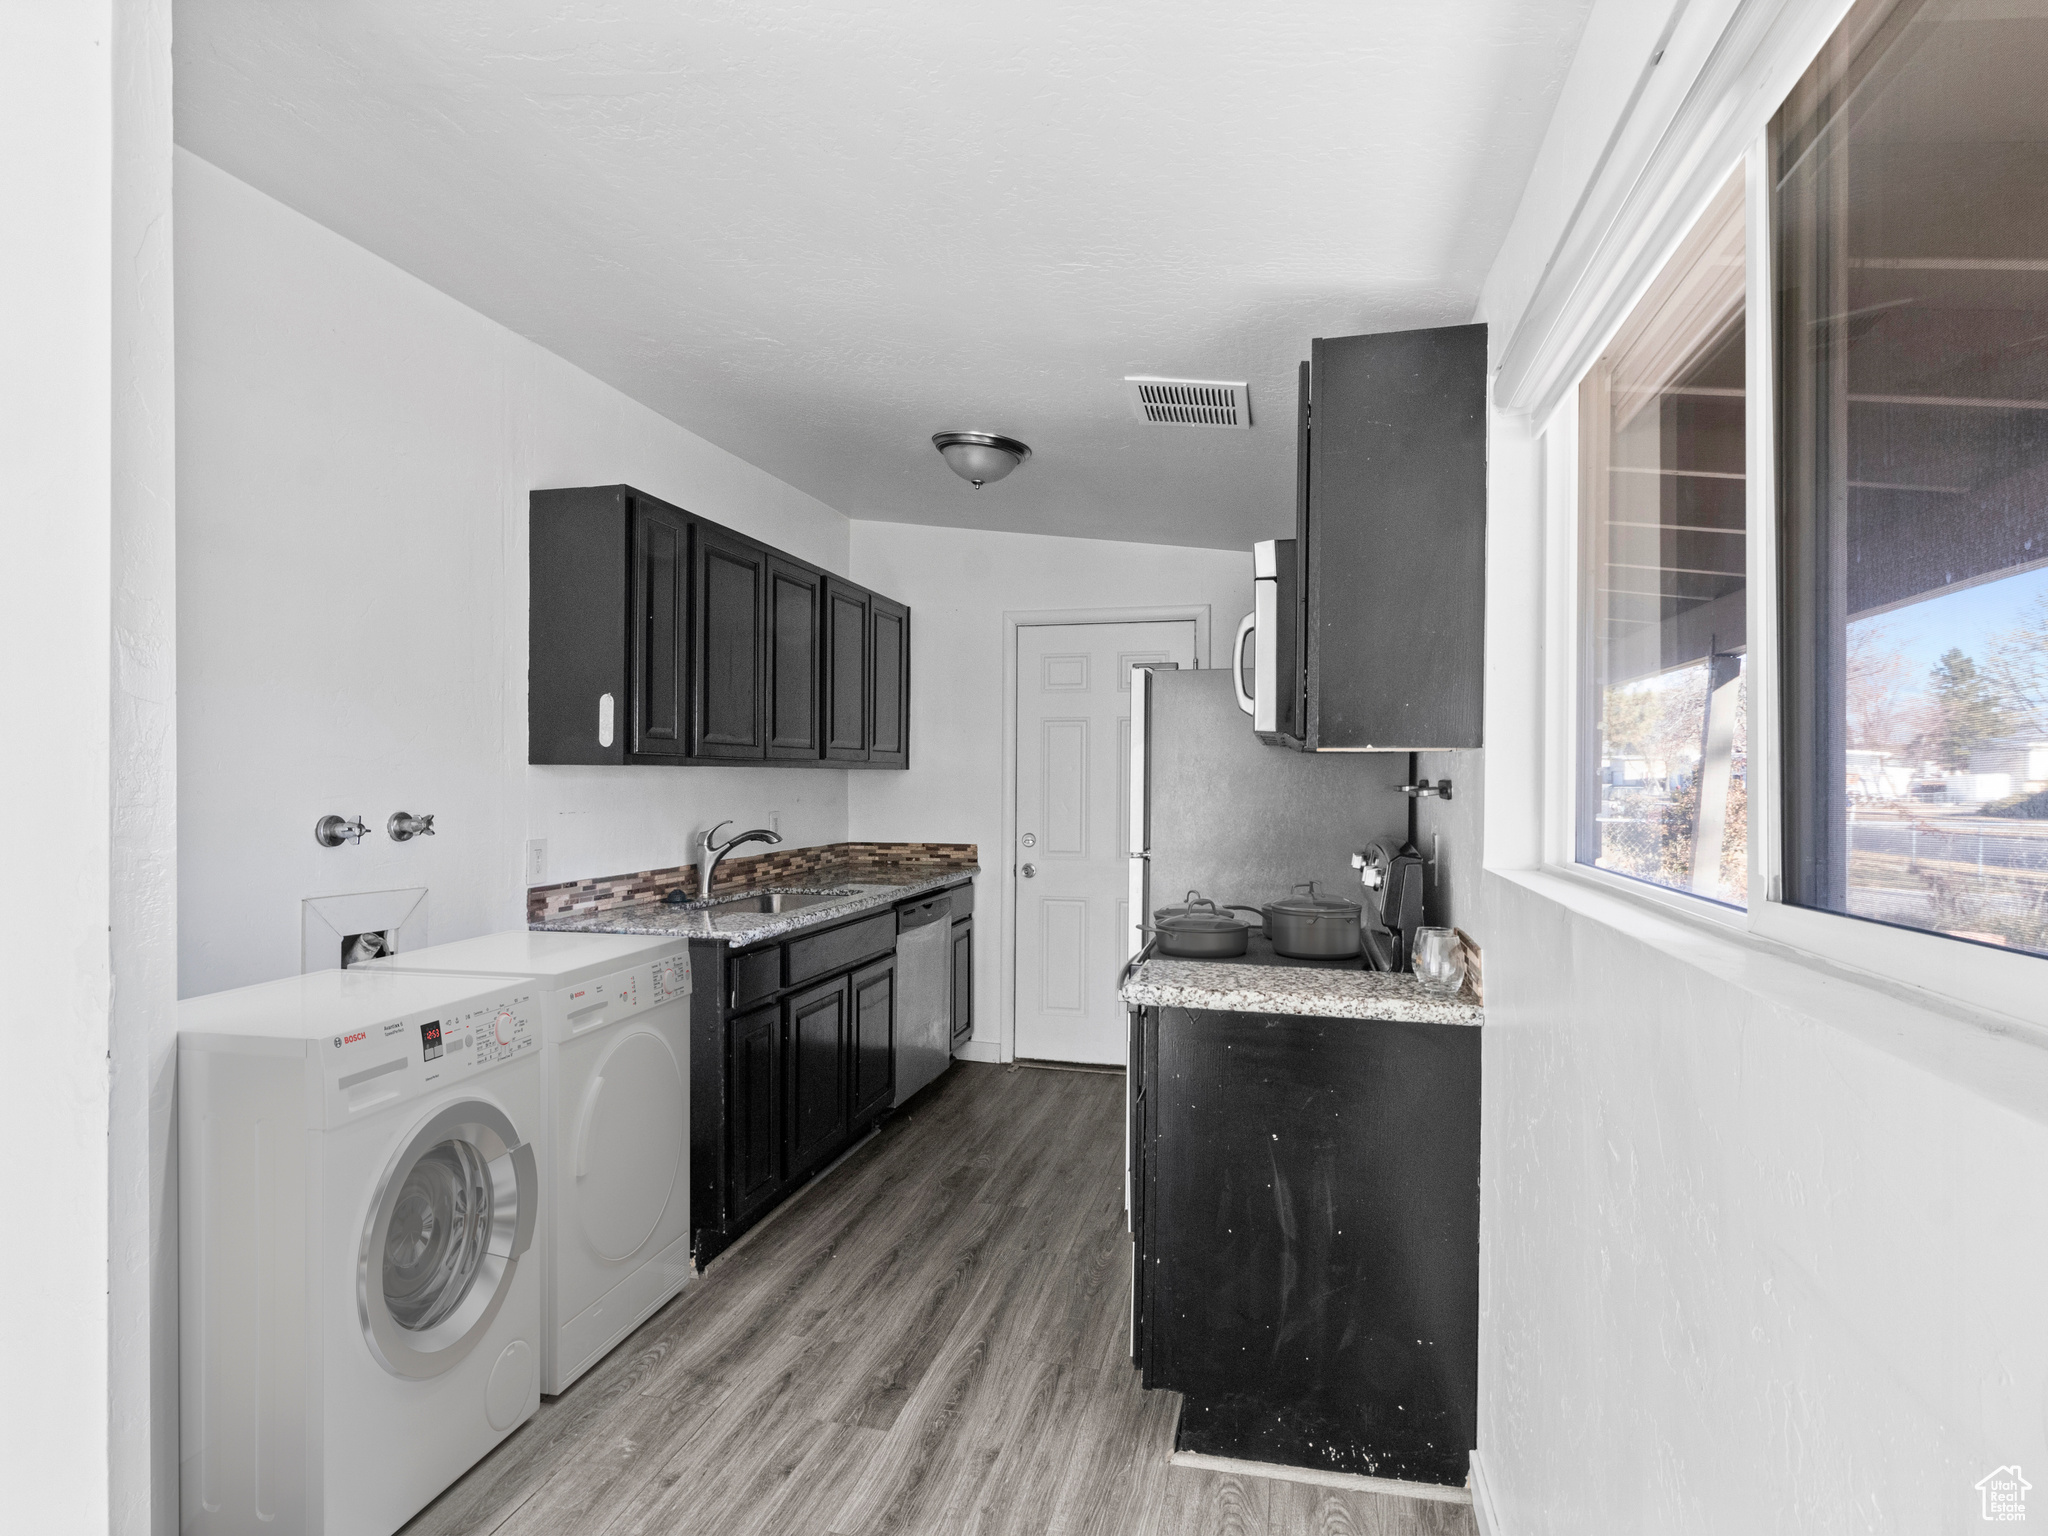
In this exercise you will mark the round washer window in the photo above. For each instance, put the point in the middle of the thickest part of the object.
(445, 1230)
(439, 1232)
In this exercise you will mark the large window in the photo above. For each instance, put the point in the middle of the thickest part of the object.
(1911, 230)
(1663, 744)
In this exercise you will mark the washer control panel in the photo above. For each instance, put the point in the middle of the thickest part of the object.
(367, 1068)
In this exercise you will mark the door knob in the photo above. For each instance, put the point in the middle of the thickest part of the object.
(1030, 871)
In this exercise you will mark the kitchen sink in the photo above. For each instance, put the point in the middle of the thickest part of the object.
(767, 901)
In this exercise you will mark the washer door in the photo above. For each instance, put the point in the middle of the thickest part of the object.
(629, 1143)
(454, 1212)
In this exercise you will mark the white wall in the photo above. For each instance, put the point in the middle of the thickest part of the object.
(1763, 1251)
(1761, 1242)
(85, 911)
(959, 584)
(356, 450)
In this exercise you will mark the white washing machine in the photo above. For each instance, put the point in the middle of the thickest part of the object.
(615, 1153)
(358, 1190)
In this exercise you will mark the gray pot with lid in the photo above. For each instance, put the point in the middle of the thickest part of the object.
(1198, 929)
(1309, 926)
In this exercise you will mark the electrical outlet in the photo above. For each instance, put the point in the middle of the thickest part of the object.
(536, 860)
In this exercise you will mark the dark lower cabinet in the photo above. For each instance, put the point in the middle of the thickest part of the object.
(753, 1094)
(963, 980)
(874, 1038)
(792, 1060)
(818, 1111)
(1305, 1193)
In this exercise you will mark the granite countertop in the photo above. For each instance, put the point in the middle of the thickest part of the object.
(865, 890)
(1330, 993)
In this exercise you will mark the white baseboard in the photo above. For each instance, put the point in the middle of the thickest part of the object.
(1483, 1508)
(979, 1050)
(1320, 1478)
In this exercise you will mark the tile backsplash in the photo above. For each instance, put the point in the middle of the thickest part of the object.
(828, 863)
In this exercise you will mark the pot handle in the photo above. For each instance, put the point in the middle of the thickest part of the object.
(1244, 629)
(1135, 961)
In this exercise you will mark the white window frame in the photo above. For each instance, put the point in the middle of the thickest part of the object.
(1985, 977)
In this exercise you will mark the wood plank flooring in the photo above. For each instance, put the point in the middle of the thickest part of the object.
(931, 1339)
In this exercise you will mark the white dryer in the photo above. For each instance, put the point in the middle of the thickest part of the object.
(358, 1191)
(615, 1153)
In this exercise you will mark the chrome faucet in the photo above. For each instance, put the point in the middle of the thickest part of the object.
(713, 851)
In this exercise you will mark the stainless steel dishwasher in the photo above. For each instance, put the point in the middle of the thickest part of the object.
(924, 992)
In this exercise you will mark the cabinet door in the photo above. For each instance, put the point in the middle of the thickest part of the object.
(660, 630)
(846, 672)
(817, 1022)
(888, 683)
(874, 1038)
(753, 1109)
(730, 587)
(1395, 541)
(579, 613)
(796, 596)
(963, 980)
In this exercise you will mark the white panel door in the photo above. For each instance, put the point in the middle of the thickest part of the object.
(1071, 881)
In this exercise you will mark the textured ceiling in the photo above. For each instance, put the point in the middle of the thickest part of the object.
(817, 233)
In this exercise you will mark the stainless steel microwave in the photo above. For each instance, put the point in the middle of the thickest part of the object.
(1268, 680)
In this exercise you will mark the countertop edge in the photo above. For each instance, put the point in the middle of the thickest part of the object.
(658, 920)
(1301, 993)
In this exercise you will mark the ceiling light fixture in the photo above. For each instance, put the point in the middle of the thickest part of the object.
(979, 457)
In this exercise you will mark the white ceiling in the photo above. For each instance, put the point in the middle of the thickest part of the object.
(817, 233)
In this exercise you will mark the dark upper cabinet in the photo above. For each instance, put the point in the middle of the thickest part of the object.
(661, 628)
(795, 635)
(730, 587)
(816, 1068)
(581, 575)
(888, 683)
(846, 671)
(658, 637)
(753, 1097)
(1390, 541)
(874, 1038)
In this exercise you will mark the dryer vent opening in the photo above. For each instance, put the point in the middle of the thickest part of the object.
(1191, 402)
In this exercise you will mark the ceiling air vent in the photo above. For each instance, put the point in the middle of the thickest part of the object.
(1191, 402)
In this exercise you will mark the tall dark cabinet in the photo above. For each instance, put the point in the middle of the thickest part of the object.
(796, 596)
(888, 683)
(656, 636)
(1390, 542)
(661, 609)
(729, 578)
(846, 671)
